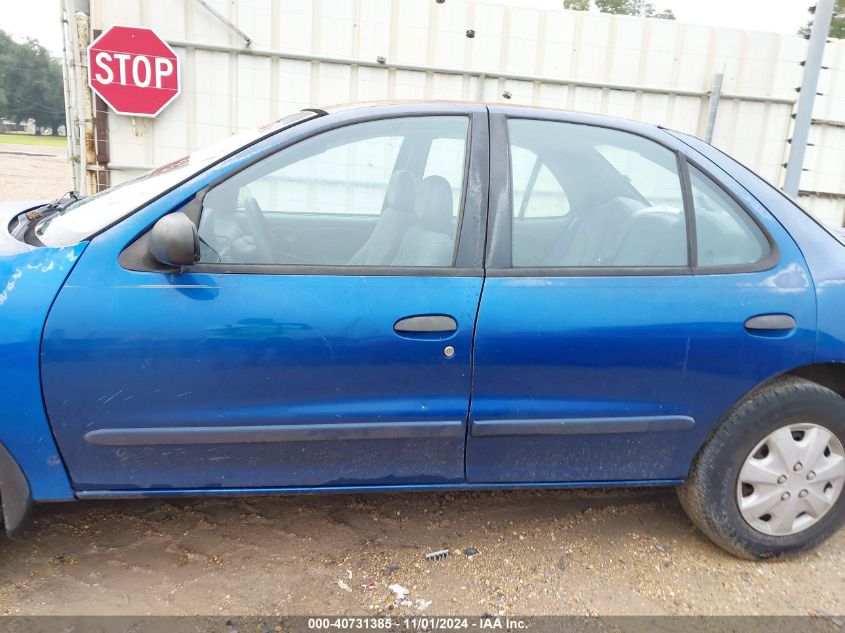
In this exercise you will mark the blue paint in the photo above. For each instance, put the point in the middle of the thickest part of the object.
(29, 281)
(254, 350)
(823, 252)
(591, 347)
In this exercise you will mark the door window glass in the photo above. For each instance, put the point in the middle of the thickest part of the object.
(536, 192)
(446, 158)
(359, 195)
(623, 198)
(725, 235)
(348, 180)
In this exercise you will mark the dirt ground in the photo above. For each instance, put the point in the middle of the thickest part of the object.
(33, 172)
(549, 552)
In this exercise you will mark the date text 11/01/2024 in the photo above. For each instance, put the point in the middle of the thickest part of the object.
(432, 623)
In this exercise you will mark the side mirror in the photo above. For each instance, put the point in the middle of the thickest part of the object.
(174, 240)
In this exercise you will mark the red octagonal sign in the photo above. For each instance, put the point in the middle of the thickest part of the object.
(133, 70)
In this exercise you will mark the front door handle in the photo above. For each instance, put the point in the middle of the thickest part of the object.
(425, 324)
(770, 322)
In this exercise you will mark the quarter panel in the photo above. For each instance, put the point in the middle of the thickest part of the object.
(824, 254)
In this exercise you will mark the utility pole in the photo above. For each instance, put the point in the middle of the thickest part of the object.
(809, 87)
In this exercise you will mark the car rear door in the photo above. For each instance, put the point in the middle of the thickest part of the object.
(275, 365)
(621, 312)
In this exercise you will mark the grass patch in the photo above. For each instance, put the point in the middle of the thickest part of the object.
(32, 139)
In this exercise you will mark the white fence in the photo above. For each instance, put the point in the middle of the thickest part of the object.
(318, 52)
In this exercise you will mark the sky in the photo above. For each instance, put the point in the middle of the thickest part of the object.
(40, 18)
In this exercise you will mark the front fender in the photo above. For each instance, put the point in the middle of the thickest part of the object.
(29, 282)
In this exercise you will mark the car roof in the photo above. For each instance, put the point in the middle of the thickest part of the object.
(521, 110)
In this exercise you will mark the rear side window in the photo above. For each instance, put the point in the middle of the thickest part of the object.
(536, 192)
(657, 183)
(620, 203)
(725, 235)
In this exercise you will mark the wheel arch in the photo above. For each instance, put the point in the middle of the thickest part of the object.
(827, 374)
(830, 375)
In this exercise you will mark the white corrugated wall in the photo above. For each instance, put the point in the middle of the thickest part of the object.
(319, 52)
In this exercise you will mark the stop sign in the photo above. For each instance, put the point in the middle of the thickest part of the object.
(133, 70)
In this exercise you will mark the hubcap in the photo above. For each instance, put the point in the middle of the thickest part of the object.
(791, 479)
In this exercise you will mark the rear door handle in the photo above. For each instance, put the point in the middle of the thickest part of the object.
(425, 324)
(770, 323)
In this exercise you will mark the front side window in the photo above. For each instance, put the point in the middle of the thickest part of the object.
(623, 198)
(446, 158)
(360, 195)
(82, 219)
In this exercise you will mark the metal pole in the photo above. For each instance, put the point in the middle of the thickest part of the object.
(809, 86)
(77, 103)
(68, 77)
(246, 38)
(715, 96)
(85, 102)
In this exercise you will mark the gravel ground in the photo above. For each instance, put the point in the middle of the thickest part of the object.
(549, 552)
(545, 552)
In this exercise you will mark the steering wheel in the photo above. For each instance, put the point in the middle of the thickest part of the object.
(260, 230)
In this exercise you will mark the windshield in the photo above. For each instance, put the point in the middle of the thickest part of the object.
(84, 218)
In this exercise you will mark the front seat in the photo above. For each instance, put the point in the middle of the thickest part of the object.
(431, 241)
(396, 218)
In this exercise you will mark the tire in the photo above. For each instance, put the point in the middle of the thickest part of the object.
(712, 494)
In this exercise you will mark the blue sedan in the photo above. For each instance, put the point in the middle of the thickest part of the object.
(432, 297)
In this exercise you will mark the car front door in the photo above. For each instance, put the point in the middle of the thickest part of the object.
(630, 300)
(323, 339)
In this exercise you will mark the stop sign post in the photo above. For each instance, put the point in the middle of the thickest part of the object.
(133, 70)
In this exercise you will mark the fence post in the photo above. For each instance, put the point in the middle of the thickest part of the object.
(715, 96)
(809, 86)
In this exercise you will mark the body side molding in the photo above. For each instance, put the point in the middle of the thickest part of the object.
(274, 433)
(582, 426)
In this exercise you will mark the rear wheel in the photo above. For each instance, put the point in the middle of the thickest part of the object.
(769, 480)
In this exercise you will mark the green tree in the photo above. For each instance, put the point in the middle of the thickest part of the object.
(30, 83)
(837, 26)
(666, 14)
(621, 7)
(6, 44)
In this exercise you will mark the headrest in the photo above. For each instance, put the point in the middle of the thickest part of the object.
(434, 207)
(402, 191)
